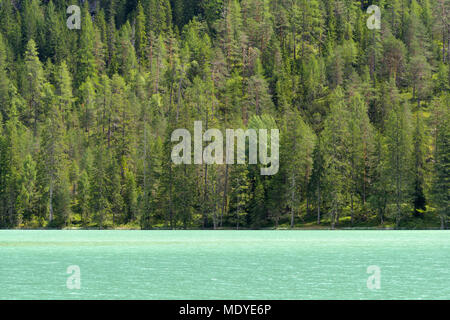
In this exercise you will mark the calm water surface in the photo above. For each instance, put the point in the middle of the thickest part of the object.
(225, 264)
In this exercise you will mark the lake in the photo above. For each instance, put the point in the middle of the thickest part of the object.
(225, 264)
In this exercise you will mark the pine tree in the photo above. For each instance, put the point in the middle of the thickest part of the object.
(379, 176)
(28, 193)
(55, 35)
(441, 179)
(54, 163)
(86, 66)
(419, 152)
(64, 92)
(130, 196)
(335, 139)
(4, 82)
(33, 84)
(83, 198)
(360, 147)
(88, 106)
(140, 34)
(258, 208)
(298, 141)
(399, 161)
(99, 188)
(125, 53)
(420, 72)
(33, 23)
(10, 25)
(239, 195)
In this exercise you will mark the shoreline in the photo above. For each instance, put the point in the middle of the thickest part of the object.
(231, 229)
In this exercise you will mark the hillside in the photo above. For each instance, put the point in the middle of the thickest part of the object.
(87, 114)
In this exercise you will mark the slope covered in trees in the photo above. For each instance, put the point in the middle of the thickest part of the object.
(86, 115)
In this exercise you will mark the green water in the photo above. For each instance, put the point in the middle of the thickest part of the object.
(225, 264)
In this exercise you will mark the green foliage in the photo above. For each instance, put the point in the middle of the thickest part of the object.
(86, 115)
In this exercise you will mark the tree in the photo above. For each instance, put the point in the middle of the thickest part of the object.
(379, 176)
(86, 66)
(54, 161)
(258, 97)
(28, 194)
(420, 76)
(258, 208)
(239, 195)
(88, 105)
(360, 147)
(420, 155)
(399, 161)
(33, 84)
(393, 61)
(440, 187)
(64, 92)
(298, 141)
(441, 13)
(5, 99)
(56, 37)
(83, 197)
(335, 139)
(99, 190)
(33, 23)
(140, 34)
(130, 196)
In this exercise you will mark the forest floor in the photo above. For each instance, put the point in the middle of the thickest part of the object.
(429, 221)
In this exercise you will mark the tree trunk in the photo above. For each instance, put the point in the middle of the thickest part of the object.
(205, 198)
(307, 204)
(179, 97)
(364, 177)
(373, 59)
(443, 45)
(397, 165)
(51, 201)
(318, 203)
(293, 200)
(215, 216)
(225, 194)
(448, 49)
(333, 219)
(170, 198)
(109, 132)
(205, 191)
(351, 197)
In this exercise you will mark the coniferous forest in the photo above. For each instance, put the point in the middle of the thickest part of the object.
(86, 114)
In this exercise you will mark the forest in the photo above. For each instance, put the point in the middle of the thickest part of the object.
(86, 114)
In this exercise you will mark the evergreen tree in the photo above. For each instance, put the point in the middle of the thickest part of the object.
(86, 66)
(4, 81)
(440, 188)
(419, 152)
(33, 84)
(239, 197)
(298, 142)
(399, 161)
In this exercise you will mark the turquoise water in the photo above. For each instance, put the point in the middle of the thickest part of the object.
(225, 264)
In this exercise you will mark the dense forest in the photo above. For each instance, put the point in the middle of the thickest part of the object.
(86, 114)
